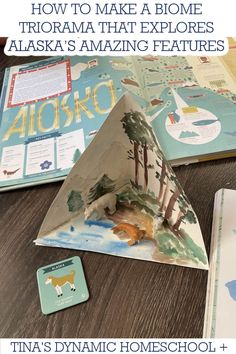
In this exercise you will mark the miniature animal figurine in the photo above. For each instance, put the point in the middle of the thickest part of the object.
(97, 208)
(59, 282)
(132, 231)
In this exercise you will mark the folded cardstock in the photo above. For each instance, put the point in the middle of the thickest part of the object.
(123, 198)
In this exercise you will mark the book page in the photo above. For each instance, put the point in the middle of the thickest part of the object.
(221, 289)
(190, 102)
(40, 83)
(228, 60)
(130, 77)
(12, 162)
(54, 108)
(41, 156)
(210, 72)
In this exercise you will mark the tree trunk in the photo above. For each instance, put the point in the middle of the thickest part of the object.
(171, 204)
(178, 222)
(162, 208)
(145, 162)
(162, 179)
(136, 161)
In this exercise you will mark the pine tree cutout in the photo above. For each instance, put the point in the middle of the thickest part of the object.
(74, 201)
(103, 186)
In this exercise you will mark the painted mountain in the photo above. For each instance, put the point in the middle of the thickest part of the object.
(122, 198)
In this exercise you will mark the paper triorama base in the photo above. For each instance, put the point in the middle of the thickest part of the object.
(153, 219)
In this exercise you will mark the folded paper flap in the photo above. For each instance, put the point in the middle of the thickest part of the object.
(102, 154)
(124, 181)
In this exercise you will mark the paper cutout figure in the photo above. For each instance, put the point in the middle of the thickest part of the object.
(152, 220)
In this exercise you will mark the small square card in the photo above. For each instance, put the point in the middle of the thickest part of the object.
(62, 285)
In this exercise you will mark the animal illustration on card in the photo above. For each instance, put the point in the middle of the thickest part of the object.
(59, 282)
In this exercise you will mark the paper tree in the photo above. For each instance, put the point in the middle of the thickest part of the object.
(153, 218)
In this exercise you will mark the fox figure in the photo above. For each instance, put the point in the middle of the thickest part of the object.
(133, 232)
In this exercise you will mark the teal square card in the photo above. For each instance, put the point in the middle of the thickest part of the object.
(62, 285)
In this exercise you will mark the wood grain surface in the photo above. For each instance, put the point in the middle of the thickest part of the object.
(128, 298)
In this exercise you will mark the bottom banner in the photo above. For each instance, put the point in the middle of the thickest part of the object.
(124, 345)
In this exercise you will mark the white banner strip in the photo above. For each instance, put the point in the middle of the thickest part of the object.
(106, 27)
(124, 345)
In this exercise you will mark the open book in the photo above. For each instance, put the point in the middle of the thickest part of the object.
(123, 198)
(51, 109)
(221, 289)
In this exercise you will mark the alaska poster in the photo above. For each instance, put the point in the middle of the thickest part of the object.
(51, 109)
(123, 198)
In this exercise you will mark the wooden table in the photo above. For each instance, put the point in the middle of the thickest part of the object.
(128, 298)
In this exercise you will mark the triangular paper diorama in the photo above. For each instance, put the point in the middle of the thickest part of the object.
(123, 198)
